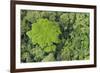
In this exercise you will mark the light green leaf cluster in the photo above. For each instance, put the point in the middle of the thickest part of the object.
(38, 53)
(44, 33)
(49, 58)
(26, 57)
(51, 48)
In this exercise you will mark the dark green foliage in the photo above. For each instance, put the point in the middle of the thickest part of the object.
(54, 36)
(77, 45)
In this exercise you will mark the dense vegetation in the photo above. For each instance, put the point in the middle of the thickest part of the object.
(54, 36)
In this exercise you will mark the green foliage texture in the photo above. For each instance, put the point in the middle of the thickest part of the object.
(54, 36)
(42, 32)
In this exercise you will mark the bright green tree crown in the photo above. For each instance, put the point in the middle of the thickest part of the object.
(44, 32)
